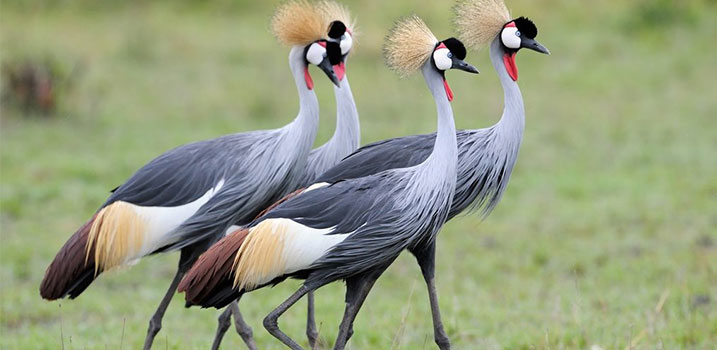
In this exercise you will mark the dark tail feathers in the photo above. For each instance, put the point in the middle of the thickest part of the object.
(210, 281)
(69, 274)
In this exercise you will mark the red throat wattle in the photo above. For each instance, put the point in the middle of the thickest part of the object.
(449, 93)
(510, 66)
(340, 70)
(307, 78)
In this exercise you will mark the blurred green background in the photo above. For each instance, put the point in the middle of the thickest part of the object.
(606, 237)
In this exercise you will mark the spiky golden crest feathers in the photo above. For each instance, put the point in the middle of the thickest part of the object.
(298, 22)
(333, 11)
(408, 45)
(116, 233)
(479, 21)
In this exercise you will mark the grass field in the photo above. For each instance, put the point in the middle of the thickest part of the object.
(605, 239)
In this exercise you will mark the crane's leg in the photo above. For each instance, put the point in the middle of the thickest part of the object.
(155, 323)
(224, 321)
(426, 258)
(311, 332)
(271, 321)
(242, 328)
(357, 289)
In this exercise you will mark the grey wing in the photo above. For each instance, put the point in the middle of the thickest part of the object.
(362, 207)
(482, 174)
(315, 166)
(345, 205)
(186, 173)
(254, 182)
(177, 177)
(400, 152)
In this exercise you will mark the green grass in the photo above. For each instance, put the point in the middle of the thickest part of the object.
(606, 236)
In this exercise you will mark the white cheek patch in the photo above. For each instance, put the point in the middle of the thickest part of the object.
(315, 54)
(443, 62)
(510, 40)
(347, 42)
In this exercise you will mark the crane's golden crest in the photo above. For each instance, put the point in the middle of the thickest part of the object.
(298, 22)
(408, 45)
(479, 21)
(333, 11)
(117, 232)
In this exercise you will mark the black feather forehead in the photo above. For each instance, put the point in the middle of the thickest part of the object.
(526, 26)
(456, 47)
(333, 52)
(336, 29)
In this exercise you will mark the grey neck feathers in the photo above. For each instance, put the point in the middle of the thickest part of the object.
(491, 162)
(307, 121)
(511, 124)
(300, 133)
(347, 135)
(443, 158)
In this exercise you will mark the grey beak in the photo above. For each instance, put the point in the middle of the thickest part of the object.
(534, 45)
(326, 66)
(464, 66)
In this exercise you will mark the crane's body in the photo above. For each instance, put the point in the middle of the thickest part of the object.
(188, 197)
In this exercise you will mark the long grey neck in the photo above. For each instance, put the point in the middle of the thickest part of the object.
(444, 156)
(304, 127)
(512, 122)
(347, 135)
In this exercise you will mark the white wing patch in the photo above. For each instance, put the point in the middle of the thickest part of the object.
(163, 220)
(231, 229)
(276, 247)
(123, 232)
(315, 186)
(307, 245)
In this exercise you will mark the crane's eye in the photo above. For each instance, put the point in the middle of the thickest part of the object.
(510, 36)
(442, 58)
(347, 42)
(316, 53)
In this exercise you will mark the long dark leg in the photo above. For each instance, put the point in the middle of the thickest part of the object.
(271, 322)
(427, 261)
(224, 321)
(357, 289)
(155, 323)
(242, 327)
(311, 331)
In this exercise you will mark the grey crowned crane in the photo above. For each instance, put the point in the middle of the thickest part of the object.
(347, 135)
(345, 140)
(485, 156)
(350, 229)
(188, 197)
